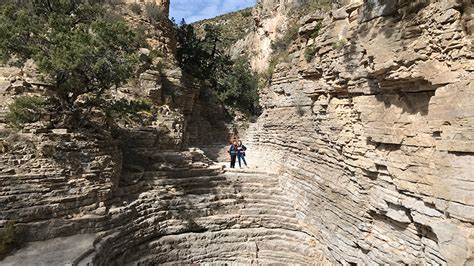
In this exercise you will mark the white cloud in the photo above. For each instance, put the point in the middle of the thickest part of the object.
(193, 10)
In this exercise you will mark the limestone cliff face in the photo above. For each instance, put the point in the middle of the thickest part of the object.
(272, 18)
(372, 132)
(270, 21)
(57, 184)
(363, 155)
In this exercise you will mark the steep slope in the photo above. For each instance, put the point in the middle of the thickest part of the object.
(234, 26)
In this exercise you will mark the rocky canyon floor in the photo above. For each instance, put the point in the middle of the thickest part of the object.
(209, 215)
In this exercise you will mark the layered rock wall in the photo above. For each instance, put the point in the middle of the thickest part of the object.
(363, 155)
(57, 184)
(370, 124)
(271, 20)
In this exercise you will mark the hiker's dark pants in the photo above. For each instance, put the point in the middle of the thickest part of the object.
(241, 157)
(232, 160)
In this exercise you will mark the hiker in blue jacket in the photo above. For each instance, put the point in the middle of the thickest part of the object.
(241, 153)
(233, 154)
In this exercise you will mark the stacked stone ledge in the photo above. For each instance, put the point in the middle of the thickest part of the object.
(53, 185)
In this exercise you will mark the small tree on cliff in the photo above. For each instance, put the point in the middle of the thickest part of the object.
(190, 53)
(81, 48)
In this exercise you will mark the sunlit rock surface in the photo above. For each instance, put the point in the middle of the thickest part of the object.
(373, 134)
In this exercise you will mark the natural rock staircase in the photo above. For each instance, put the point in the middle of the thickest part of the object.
(230, 217)
(178, 208)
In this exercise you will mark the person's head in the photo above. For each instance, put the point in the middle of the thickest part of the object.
(235, 142)
(240, 142)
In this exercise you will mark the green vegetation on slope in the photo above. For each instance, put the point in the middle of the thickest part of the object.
(154, 12)
(316, 5)
(135, 8)
(231, 82)
(82, 48)
(233, 26)
(26, 109)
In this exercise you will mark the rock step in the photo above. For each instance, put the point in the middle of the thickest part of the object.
(216, 152)
(252, 195)
(245, 200)
(248, 245)
(58, 251)
(212, 213)
(233, 200)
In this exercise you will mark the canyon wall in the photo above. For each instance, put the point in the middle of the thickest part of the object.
(272, 19)
(57, 182)
(75, 191)
(370, 123)
(363, 154)
(270, 22)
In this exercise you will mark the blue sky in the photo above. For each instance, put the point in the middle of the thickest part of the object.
(194, 10)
